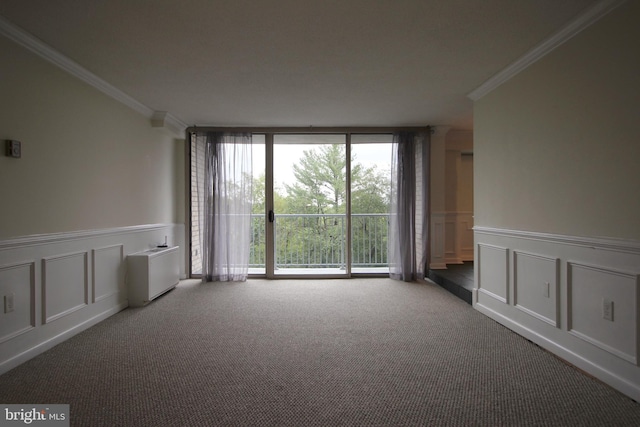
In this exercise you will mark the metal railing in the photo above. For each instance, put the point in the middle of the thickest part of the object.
(319, 240)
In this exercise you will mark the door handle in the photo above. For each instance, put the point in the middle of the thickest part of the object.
(271, 216)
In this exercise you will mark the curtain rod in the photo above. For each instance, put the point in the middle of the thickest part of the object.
(309, 129)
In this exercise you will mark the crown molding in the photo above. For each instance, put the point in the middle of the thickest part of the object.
(48, 53)
(583, 21)
(164, 120)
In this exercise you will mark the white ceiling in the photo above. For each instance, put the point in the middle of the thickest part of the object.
(297, 62)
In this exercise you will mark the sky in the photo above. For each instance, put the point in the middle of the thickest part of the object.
(288, 154)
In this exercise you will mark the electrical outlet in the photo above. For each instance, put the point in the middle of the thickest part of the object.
(8, 303)
(607, 309)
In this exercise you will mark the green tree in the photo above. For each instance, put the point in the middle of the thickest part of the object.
(320, 189)
(320, 181)
(370, 190)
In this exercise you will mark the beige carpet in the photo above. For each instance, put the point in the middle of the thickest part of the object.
(311, 353)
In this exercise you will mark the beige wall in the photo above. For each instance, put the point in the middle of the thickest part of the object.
(88, 161)
(464, 201)
(557, 148)
(459, 171)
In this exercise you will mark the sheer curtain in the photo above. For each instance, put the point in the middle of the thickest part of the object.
(226, 206)
(408, 220)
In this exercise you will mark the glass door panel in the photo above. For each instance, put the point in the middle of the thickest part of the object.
(370, 185)
(257, 256)
(309, 205)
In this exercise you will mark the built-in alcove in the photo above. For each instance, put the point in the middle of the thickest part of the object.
(452, 254)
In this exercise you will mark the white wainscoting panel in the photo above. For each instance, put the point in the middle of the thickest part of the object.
(17, 281)
(437, 255)
(108, 272)
(591, 317)
(465, 233)
(458, 237)
(589, 287)
(452, 238)
(493, 272)
(65, 285)
(451, 242)
(536, 289)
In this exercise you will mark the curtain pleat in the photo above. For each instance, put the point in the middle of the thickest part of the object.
(408, 226)
(227, 195)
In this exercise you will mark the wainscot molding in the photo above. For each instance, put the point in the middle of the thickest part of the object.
(583, 21)
(111, 259)
(41, 239)
(18, 279)
(591, 285)
(621, 383)
(535, 286)
(599, 243)
(41, 347)
(437, 259)
(63, 283)
(458, 237)
(493, 281)
(451, 238)
(578, 297)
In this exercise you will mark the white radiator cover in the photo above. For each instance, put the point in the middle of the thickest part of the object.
(151, 273)
(67, 282)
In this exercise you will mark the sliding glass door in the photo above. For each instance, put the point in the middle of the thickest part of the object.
(370, 191)
(308, 218)
(320, 204)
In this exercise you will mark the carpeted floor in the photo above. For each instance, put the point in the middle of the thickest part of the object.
(370, 352)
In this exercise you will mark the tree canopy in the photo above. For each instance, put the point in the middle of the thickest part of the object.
(319, 192)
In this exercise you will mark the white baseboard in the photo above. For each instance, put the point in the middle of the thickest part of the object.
(63, 283)
(553, 290)
(611, 378)
(50, 343)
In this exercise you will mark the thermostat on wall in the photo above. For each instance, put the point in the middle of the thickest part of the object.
(13, 148)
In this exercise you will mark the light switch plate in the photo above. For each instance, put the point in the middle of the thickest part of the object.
(547, 289)
(607, 309)
(8, 303)
(14, 149)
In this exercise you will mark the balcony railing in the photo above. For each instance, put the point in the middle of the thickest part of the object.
(319, 241)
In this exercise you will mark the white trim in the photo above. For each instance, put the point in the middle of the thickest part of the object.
(556, 261)
(50, 54)
(478, 272)
(613, 359)
(45, 283)
(68, 256)
(163, 119)
(94, 263)
(50, 343)
(583, 21)
(31, 264)
(634, 277)
(39, 239)
(602, 243)
(620, 383)
(492, 295)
